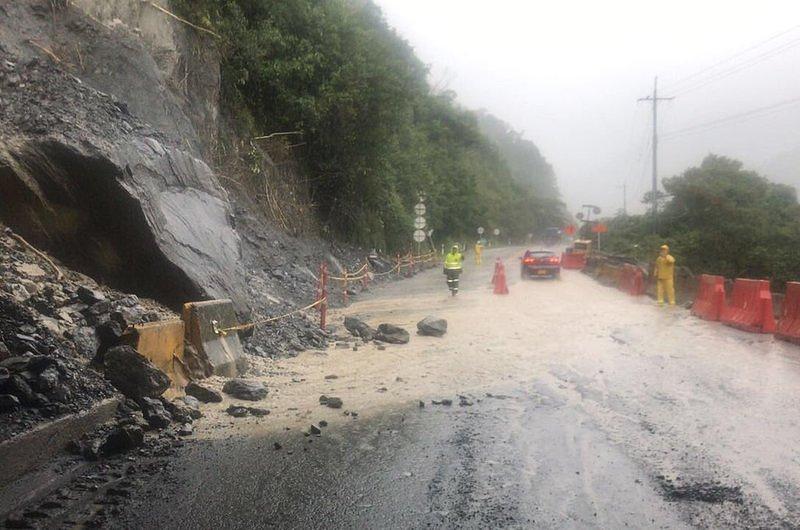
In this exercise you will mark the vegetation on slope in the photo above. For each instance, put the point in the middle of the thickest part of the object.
(721, 219)
(375, 134)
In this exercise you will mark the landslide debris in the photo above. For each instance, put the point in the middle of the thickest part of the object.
(51, 328)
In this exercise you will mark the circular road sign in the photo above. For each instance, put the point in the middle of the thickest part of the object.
(480, 230)
(496, 231)
(419, 209)
(419, 236)
(419, 223)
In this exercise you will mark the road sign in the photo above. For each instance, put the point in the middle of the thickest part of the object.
(419, 209)
(480, 230)
(419, 236)
(419, 223)
(496, 231)
(599, 228)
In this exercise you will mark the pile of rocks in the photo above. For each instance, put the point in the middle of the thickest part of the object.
(52, 324)
(389, 333)
(40, 377)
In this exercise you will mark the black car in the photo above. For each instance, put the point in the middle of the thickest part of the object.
(540, 263)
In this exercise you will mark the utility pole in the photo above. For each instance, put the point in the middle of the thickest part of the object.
(624, 198)
(655, 99)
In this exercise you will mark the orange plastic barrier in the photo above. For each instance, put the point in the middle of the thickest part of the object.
(750, 308)
(573, 261)
(631, 280)
(710, 297)
(789, 325)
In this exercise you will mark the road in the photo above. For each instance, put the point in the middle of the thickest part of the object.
(582, 408)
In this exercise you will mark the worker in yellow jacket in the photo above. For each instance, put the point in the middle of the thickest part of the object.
(478, 252)
(665, 276)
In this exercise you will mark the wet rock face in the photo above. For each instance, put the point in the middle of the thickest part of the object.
(110, 196)
(132, 374)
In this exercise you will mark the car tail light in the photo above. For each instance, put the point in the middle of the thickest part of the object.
(528, 261)
(554, 260)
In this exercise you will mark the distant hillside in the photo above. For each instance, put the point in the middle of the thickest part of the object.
(526, 162)
(367, 129)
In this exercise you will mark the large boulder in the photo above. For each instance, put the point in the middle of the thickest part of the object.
(246, 389)
(132, 374)
(202, 393)
(392, 334)
(432, 326)
(164, 225)
(359, 328)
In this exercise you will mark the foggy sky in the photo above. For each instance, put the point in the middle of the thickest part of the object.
(568, 74)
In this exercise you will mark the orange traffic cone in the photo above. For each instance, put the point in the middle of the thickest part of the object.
(500, 286)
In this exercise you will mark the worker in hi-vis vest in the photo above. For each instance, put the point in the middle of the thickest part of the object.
(452, 268)
(665, 276)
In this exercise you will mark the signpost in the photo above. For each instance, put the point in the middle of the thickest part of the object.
(420, 223)
(598, 229)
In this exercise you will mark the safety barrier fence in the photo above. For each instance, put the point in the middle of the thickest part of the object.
(631, 280)
(710, 297)
(749, 307)
(573, 261)
(363, 274)
(789, 325)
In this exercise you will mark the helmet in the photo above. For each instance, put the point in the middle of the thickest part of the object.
(454, 248)
(664, 247)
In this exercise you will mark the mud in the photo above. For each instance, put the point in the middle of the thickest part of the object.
(589, 409)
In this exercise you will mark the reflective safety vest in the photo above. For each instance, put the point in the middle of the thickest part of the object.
(665, 267)
(453, 260)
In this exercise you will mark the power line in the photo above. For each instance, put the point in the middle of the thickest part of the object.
(735, 118)
(736, 55)
(739, 67)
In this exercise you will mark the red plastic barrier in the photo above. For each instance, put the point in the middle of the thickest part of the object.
(573, 261)
(750, 308)
(710, 297)
(789, 326)
(631, 280)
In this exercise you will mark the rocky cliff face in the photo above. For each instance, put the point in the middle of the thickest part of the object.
(112, 183)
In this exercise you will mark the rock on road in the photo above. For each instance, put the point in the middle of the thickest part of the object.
(573, 405)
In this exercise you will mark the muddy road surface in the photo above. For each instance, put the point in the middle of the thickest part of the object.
(573, 406)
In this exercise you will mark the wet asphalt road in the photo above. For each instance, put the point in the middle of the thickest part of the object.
(629, 416)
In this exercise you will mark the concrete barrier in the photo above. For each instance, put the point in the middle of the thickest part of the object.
(162, 343)
(222, 351)
(25, 452)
